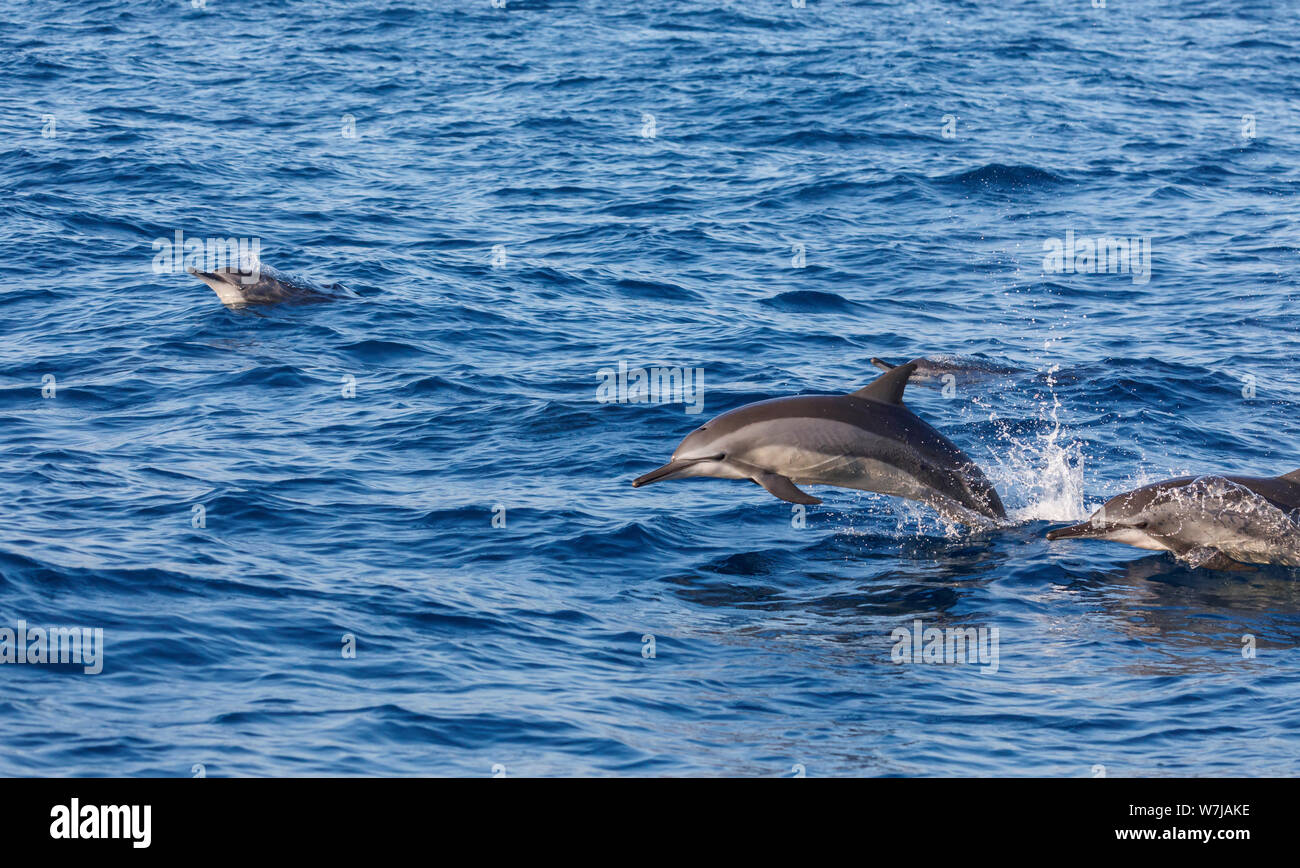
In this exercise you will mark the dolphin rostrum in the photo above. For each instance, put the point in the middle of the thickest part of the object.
(261, 284)
(866, 440)
(1211, 521)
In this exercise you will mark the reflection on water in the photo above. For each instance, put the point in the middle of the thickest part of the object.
(1197, 620)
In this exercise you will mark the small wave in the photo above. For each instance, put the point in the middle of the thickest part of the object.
(653, 290)
(999, 176)
(381, 351)
(809, 301)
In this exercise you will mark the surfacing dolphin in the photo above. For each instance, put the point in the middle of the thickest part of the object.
(262, 284)
(930, 371)
(1205, 521)
(865, 440)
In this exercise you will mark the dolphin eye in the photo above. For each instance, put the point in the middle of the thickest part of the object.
(1141, 525)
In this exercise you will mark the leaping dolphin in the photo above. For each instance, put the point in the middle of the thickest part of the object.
(865, 440)
(1211, 521)
(262, 284)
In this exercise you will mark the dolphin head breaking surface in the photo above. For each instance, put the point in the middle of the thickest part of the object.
(255, 283)
(1213, 521)
(866, 440)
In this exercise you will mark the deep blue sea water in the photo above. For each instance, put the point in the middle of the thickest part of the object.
(523, 197)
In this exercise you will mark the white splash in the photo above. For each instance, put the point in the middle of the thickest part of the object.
(1040, 476)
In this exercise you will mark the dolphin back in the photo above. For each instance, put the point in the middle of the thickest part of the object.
(933, 457)
(1281, 492)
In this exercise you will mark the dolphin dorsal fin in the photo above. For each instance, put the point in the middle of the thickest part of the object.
(1293, 476)
(888, 387)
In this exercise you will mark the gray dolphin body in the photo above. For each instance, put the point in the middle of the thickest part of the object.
(240, 287)
(1210, 521)
(866, 440)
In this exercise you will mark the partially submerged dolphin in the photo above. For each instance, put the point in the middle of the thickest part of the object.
(932, 370)
(262, 284)
(1209, 521)
(866, 440)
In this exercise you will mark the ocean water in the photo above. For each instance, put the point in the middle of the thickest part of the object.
(395, 535)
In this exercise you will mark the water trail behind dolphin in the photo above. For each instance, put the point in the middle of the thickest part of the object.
(1035, 464)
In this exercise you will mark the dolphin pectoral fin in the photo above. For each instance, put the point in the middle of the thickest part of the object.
(781, 486)
(888, 387)
(882, 364)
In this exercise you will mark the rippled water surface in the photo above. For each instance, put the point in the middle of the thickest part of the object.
(523, 197)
